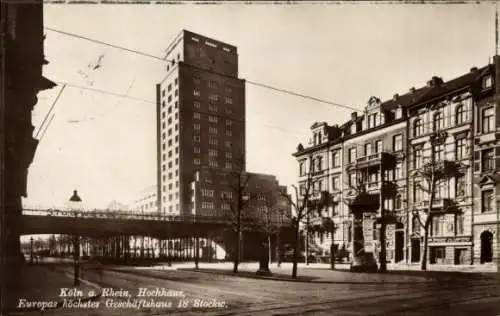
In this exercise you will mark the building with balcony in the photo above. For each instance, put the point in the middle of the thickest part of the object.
(373, 158)
(384, 148)
(486, 165)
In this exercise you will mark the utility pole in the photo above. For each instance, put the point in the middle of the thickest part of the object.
(307, 239)
(31, 249)
(383, 250)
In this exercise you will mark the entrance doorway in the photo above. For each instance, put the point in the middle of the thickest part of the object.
(486, 247)
(460, 256)
(399, 246)
(438, 255)
(415, 250)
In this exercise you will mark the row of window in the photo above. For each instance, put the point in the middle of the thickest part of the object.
(317, 164)
(164, 188)
(164, 157)
(214, 163)
(487, 123)
(212, 107)
(170, 186)
(169, 88)
(213, 152)
(164, 136)
(170, 175)
(211, 84)
(164, 167)
(212, 119)
(146, 206)
(170, 208)
(213, 97)
(462, 151)
(170, 197)
(371, 178)
(224, 195)
(442, 225)
(397, 145)
(442, 189)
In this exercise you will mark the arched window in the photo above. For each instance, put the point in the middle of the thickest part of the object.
(417, 127)
(460, 114)
(415, 225)
(438, 121)
(319, 163)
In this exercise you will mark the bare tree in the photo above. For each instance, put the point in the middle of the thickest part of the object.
(302, 206)
(428, 178)
(326, 224)
(271, 207)
(235, 201)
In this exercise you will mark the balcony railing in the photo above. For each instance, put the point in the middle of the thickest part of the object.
(373, 185)
(374, 156)
(384, 158)
(438, 204)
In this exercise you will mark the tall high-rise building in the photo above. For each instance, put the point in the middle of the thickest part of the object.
(200, 117)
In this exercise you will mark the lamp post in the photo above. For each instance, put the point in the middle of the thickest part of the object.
(75, 206)
(31, 249)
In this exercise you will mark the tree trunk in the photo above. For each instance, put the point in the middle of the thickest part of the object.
(423, 263)
(269, 249)
(383, 248)
(278, 249)
(332, 254)
(236, 251)
(296, 252)
(264, 257)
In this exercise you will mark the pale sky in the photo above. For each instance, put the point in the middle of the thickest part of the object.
(104, 146)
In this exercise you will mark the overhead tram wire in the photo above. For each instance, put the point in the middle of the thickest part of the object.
(50, 110)
(153, 102)
(46, 128)
(173, 61)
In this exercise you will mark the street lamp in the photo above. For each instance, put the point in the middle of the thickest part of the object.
(31, 249)
(75, 205)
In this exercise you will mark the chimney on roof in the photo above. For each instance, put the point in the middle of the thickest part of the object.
(435, 81)
(354, 116)
(496, 74)
(395, 97)
(412, 89)
(473, 69)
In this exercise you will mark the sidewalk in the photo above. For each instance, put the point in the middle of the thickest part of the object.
(43, 283)
(321, 273)
(315, 273)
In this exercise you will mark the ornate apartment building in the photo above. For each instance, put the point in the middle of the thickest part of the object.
(383, 148)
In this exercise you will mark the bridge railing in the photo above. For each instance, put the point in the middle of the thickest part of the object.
(110, 214)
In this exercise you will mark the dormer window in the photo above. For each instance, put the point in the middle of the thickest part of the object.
(372, 120)
(398, 113)
(353, 128)
(487, 82)
(302, 168)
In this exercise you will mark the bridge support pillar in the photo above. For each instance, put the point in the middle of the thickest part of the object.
(196, 252)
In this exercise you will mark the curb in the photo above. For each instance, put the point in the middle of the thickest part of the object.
(302, 281)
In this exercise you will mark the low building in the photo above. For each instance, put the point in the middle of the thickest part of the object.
(146, 201)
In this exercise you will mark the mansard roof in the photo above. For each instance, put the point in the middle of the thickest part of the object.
(427, 93)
